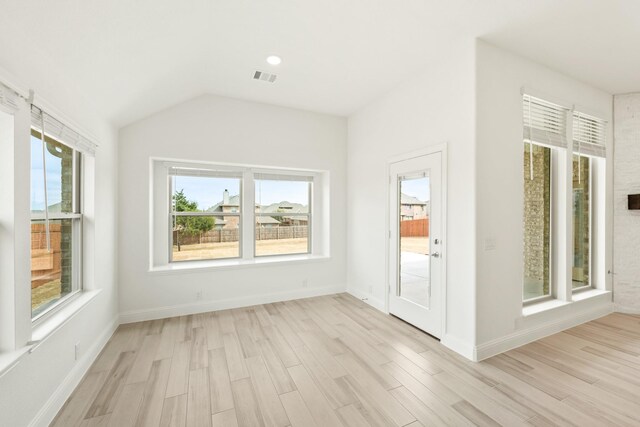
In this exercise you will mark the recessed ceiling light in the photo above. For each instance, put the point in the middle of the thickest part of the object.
(274, 60)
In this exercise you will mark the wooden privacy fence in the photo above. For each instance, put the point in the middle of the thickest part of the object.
(276, 233)
(414, 228)
(232, 235)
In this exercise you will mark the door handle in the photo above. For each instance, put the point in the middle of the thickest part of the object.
(436, 254)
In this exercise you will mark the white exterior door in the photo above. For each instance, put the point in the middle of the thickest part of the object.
(415, 249)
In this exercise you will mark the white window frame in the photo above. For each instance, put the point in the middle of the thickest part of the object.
(205, 214)
(160, 213)
(561, 230)
(78, 236)
(308, 215)
(553, 222)
(591, 179)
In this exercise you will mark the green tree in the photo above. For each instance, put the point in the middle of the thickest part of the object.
(194, 224)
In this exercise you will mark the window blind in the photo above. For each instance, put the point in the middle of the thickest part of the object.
(9, 99)
(202, 172)
(589, 135)
(282, 177)
(61, 132)
(545, 123)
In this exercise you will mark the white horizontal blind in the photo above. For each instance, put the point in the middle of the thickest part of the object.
(60, 132)
(9, 99)
(545, 123)
(202, 172)
(282, 177)
(589, 135)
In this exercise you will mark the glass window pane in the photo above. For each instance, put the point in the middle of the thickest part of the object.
(54, 255)
(282, 230)
(282, 234)
(52, 271)
(205, 237)
(537, 221)
(290, 197)
(59, 164)
(581, 221)
(414, 213)
(206, 194)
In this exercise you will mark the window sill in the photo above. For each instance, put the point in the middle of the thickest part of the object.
(542, 306)
(549, 305)
(233, 264)
(60, 317)
(40, 333)
(587, 294)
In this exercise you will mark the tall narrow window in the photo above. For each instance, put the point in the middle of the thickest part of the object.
(205, 215)
(283, 216)
(544, 137)
(588, 151)
(56, 222)
(537, 221)
(581, 221)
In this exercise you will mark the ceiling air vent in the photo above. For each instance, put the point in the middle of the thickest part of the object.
(265, 77)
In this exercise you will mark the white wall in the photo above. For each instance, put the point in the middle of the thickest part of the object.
(500, 75)
(34, 390)
(626, 223)
(217, 129)
(434, 108)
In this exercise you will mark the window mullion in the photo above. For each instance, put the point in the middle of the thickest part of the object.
(248, 221)
(564, 217)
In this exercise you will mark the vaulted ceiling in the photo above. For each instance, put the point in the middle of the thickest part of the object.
(135, 57)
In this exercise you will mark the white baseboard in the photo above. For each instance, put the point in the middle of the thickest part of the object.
(372, 301)
(206, 306)
(461, 347)
(47, 413)
(625, 309)
(525, 336)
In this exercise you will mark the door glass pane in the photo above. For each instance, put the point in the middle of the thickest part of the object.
(413, 214)
(581, 221)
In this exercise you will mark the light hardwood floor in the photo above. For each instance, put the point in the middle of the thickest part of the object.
(332, 361)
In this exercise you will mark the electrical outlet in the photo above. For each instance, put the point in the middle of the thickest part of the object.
(490, 244)
(370, 289)
(199, 295)
(305, 283)
(77, 351)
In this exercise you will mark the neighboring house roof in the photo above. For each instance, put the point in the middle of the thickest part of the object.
(285, 207)
(410, 200)
(274, 208)
(233, 201)
(266, 220)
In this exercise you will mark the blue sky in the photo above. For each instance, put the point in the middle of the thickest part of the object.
(54, 177)
(208, 191)
(418, 188)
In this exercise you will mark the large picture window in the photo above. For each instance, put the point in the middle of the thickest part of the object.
(219, 212)
(56, 223)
